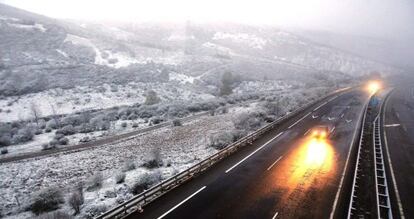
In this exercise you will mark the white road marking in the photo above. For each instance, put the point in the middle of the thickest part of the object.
(348, 121)
(323, 104)
(270, 167)
(342, 116)
(299, 120)
(331, 118)
(346, 164)
(275, 215)
(392, 125)
(253, 152)
(333, 129)
(172, 209)
(306, 132)
(314, 116)
(333, 98)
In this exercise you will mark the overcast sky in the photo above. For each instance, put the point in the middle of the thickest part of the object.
(386, 18)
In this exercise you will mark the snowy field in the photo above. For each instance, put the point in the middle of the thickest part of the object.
(180, 148)
(59, 101)
(67, 101)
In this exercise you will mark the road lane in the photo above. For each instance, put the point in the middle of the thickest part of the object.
(302, 183)
(399, 139)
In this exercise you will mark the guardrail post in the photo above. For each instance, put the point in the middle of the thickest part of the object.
(145, 198)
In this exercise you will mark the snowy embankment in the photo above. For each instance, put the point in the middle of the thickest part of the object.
(180, 147)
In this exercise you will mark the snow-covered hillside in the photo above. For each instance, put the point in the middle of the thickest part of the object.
(55, 54)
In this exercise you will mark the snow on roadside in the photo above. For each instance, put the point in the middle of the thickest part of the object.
(35, 26)
(67, 101)
(6, 18)
(182, 78)
(251, 40)
(263, 86)
(64, 54)
(180, 147)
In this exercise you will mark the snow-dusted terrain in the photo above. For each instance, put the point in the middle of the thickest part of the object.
(62, 81)
(180, 148)
(80, 98)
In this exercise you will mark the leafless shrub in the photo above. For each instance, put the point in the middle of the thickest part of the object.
(177, 122)
(46, 200)
(95, 182)
(221, 140)
(145, 182)
(91, 211)
(4, 151)
(54, 215)
(76, 200)
(120, 177)
(129, 165)
(154, 159)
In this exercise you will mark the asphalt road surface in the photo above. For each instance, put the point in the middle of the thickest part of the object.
(284, 174)
(398, 129)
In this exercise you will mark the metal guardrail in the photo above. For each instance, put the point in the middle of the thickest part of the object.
(381, 186)
(370, 147)
(140, 200)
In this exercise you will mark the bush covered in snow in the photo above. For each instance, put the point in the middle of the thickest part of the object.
(221, 140)
(151, 98)
(129, 165)
(54, 215)
(99, 122)
(46, 200)
(76, 200)
(66, 130)
(156, 120)
(52, 145)
(177, 122)
(5, 140)
(154, 159)
(120, 177)
(52, 124)
(92, 211)
(4, 151)
(95, 182)
(85, 128)
(23, 135)
(63, 141)
(145, 182)
(249, 121)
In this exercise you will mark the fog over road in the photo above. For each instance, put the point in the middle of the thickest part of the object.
(284, 174)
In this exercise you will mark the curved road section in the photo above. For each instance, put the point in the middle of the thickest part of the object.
(284, 174)
(398, 133)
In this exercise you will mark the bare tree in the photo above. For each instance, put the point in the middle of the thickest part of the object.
(54, 114)
(35, 111)
(151, 98)
(226, 84)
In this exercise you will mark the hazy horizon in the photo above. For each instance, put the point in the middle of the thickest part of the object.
(384, 18)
